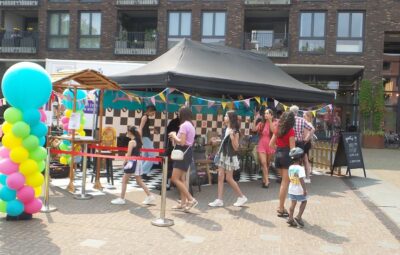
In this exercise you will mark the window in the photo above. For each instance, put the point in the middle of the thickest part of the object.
(350, 32)
(312, 32)
(90, 30)
(213, 27)
(179, 26)
(59, 30)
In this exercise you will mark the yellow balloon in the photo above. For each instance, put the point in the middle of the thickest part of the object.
(19, 154)
(28, 167)
(82, 133)
(68, 113)
(10, 141)
(38, 191)
(63, 160)
(35, 179)
(6, 127)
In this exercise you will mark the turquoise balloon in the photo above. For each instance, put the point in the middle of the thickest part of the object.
(31, 116)
(68, 99)
(7, 194)
(3, 179)
(66, 142)
(39, 129)
(42, 141)
(38, 154)
(21, 129)
(14, 208)
(26, 85)
(30, 143)
(12, 115)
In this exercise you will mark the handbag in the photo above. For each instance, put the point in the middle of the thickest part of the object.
(178, 154)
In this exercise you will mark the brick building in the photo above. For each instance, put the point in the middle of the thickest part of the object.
(330, 44)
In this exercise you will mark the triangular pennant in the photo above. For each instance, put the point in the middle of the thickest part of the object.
(276, 102)
(329, 106)
(170, 90)
(153, 100)
(258, 99)
(162, 97)
(237, 104)
(187, 97)
(265, 103)
(223, 104)
(138, 100)
(314, 113)
(247, 102)
(285, 107)
(210, 103)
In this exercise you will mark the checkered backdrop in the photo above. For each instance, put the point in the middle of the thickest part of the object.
(121, 119)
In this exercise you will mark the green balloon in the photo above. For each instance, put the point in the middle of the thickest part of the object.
(38, 154)
(42, 165)
(12, 115)
(64, 147)
(3, 206)
(30, 143)
(21, 129)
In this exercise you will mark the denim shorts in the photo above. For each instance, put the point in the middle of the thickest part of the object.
(299, 198)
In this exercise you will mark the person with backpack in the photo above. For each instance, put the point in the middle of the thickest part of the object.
(227, 160)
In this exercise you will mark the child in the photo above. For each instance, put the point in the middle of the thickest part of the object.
(133, 167)
(297, 188)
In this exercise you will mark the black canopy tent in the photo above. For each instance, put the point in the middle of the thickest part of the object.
(216, 70)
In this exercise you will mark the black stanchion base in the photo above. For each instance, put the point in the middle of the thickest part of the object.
(23, 216)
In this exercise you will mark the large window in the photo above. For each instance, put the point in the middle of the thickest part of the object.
(59, 30)
(213, 27)
(90, 30)
(312, 32)
(179, 26)
(350, 32)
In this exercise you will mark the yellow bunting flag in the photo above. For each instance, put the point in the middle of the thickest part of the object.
(223, 104)
(162, 97)
(285, 107)
(265, 103)
(187, 97)
(138, 99)
(314, 113)
(258, 100)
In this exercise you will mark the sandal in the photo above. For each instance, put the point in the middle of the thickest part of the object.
(178, 206)
(190, 205)
(299, 221)
(283, 213)
(291, 223)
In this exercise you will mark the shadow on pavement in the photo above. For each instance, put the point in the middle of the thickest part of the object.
(321, 233)
(242, 213)
(196, 219)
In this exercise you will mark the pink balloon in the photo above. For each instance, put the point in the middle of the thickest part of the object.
(64, 120)
(42, 115)
(4, 152)
(34, 206)
(15, 181)
(26, 194)
(65, 126)
(8, 167)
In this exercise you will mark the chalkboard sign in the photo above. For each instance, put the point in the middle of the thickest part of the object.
(349, 152)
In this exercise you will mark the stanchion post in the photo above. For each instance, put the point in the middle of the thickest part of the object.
(83, 195)
(46, 207)
(162, 221)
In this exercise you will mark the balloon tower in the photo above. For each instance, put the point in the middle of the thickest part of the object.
(26, 87)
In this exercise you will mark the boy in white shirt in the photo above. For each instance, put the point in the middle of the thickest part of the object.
(297, 187)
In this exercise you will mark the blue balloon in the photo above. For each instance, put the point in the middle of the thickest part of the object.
(42, 141)
(7, 194)
(69, 96)
(3, 179)
(39, 130)
(66, 142)
(14, 208)
(31, 116)
(26, 85)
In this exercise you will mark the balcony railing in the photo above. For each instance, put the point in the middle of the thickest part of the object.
(268, 43)
(136, 43)
(19, 2)
(266, 2)
(137, 2)
(18, 42)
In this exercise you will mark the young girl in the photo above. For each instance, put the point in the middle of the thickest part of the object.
(228, 161)
(307, 136)
(133, 167)
(265, 152)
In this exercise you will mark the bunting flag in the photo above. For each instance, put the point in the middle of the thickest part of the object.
(237, 104)
(314, 113)
(285, 107)
(170, 90)
(223, 105)
(210, 103)
(265, 104)
(153, 100)
(247, 102)
(187, 97)
(257, 99)
(330, 107)
(276, 102)
(138, 99)
(162, 97)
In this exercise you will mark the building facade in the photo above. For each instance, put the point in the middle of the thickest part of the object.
(330, 44)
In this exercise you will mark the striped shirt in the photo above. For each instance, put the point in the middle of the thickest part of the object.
(299, 126)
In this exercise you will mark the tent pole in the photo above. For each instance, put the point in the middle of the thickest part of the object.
(166, 119)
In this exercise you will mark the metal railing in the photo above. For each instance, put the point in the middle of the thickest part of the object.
(137, 2)
(19, 2)
(266, 2)
(136, 43)
(18, 42)
(268, 43)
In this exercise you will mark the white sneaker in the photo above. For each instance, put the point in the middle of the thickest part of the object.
(217, 203)
(118, 201)
(149, 200)
(240, 201)
(307, 180)
(313, 172)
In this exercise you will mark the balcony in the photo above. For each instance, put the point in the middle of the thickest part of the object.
(19, 2)
(267, 42)
(266, 2)
(136, 43)
(137, 2)
(18, 42)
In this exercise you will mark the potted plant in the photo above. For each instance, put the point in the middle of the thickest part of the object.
(372, 108)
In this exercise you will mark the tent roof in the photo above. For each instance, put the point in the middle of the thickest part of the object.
(215, 70)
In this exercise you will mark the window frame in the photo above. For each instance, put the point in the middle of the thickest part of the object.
(90, 29)
(312, 37)
(350, 37)
(179, 25)
(49, 36)
(213, 25)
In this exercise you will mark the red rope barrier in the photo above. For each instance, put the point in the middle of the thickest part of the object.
(76, 153)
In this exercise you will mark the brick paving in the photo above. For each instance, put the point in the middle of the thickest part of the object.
(338, 221)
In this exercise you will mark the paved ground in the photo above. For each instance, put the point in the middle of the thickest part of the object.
(340, 219)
